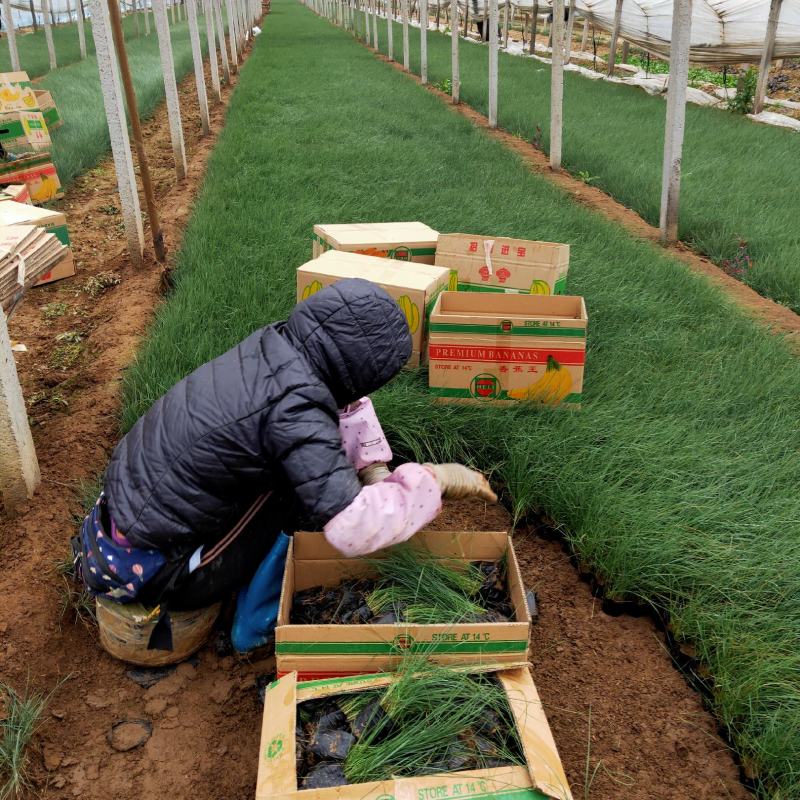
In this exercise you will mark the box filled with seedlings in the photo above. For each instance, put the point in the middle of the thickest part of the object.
(455, 595)
(426, 731)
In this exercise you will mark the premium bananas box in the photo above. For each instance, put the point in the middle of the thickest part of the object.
(503, 348)
(414, 286)
(16, 92)
(498, 264)
(23, 132)
(37, 172)
(403, 241)
(541, 778)
(47, 106)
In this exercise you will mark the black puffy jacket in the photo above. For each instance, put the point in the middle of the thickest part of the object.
(261, 416)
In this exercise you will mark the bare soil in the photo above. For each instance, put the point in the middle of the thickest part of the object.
(650, 736)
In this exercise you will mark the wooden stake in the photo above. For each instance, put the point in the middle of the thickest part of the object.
(568, 36)
(585, 36)
(118, 128)
(423, 41)
(48, 34)
(404, 7)
(557, 84)
(534, 26)
(34, 23)
(136, 127)
(19, 469)
(455, 78)
(766, 55)
(626, 51)
(612, 51)
(197, 57)
(11, 35)
(223, 49)
(494, 46)
(212, 49)
(676, 116)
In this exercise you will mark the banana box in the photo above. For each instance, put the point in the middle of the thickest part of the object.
(505, 348)
(48, 107)
(415, 287)
(24, 132)
(16, 92)
(502, 265)
(402, 241)
(37, 172)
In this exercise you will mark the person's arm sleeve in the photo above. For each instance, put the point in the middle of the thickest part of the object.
(386, 513)
(302, 435)
(363, 439)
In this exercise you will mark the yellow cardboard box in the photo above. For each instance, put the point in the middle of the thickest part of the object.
(542, 776)
(487, 347)
(16, 92)
(316, 651)
(499, 264)
(403, 241)
(414, 286)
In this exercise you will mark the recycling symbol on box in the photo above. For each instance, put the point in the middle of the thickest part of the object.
(274, 748)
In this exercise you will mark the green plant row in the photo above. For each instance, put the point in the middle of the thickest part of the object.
(677, 481)
(739, 179)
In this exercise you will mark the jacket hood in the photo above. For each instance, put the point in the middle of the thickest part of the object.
(354, 336)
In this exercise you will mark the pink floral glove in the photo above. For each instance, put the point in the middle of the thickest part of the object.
(362, 436)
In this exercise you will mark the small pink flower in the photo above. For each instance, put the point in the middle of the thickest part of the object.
(138, 570)
(112, 568)
(130, 587)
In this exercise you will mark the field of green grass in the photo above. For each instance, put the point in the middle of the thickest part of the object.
(83, 138)
(739, 180)
(34, 58)
(677, 481)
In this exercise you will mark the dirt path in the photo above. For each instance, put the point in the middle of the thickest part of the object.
(774, 316)
(650, 735)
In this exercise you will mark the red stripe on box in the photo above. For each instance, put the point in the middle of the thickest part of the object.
(505, 355)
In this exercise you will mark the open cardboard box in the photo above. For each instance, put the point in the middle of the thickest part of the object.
(500, 264)
(542, 777)
(505, 348)
(37, 172)
(403, 241)
(415, 287)
(316, 651)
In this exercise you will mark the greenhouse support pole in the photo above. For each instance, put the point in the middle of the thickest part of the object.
(69, 11)
(626, 51)
(375, 42)
(612, 50)
(197, 57)
(505, 23)
(494, 46)
(585, 36)
(34, 23)
(48, 34)
(466, 17)
(19, 469)
(534, 25)
(367, 29)
(766, 55)
(389, 30)
(223, 49)
(170, 87)
(118, 131)
(11, 35)
(404, 7)
(146, 15)
(232, 34)
(455, 78)
(676, 116)
(423, 41)
(212, 49)
(81, 34)
(557, 85)
(568, 36)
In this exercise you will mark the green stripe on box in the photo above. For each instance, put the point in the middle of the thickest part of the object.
(24, 164)
(441, 391)
(492, 330)
(345, 680)
(12, 129)
(389, 648)
(560, 286)
(51, 117)
(61, 233)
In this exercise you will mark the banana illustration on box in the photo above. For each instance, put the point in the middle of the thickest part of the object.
(411, 311)
(312, 288)
(540, 287)
(550, 389)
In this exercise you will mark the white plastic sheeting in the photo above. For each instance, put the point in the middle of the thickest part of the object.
(723, 31)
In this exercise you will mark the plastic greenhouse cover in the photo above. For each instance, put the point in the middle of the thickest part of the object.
(723, 32)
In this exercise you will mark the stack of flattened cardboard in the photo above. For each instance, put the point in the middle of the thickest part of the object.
(26, 253)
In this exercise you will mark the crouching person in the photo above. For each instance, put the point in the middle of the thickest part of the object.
(276, 433)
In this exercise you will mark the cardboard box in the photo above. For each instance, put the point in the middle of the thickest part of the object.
(13, 213)
(37, 173)
(324, 650)
(47, 106)
(17, 192)
(403, 241)
(498, 264)
(414, 286)
(504, 348)
(23, 132)
(542, 776)
(64, 269)
(16, 92)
